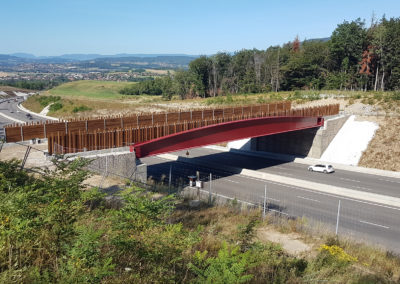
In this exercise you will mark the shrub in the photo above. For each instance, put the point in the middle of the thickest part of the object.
(46, 100)
(230, 266)
(56, 106)
(396, 96)
(81, 108)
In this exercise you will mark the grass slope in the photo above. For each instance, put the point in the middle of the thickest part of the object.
(90, 89)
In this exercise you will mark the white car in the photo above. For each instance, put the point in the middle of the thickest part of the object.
(326, 169)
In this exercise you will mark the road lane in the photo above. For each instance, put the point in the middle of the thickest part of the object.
(364, 221)
(341, 178)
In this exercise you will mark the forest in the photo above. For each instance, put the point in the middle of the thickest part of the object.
(355, 57)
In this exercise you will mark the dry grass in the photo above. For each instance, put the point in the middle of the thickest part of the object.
(383, 151)
(223, 223)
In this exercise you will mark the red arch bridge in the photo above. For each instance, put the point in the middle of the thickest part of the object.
(224, 132)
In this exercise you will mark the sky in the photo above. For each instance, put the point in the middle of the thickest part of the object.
(196, 27)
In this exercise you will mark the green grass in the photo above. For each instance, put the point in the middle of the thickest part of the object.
(90, 89)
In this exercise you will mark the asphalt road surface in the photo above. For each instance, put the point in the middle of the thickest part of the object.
(10, 108)
(363, 221)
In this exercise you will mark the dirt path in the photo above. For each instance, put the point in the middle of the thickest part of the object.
(291, 242)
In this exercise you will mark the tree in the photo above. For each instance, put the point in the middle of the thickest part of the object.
(391, 53)
(201, 68)
(348, 41)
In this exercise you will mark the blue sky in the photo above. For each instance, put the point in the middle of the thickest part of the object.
(54, 27)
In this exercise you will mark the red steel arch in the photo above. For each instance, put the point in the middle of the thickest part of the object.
(224, 132)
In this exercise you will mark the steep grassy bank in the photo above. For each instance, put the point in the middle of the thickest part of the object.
(53, 229)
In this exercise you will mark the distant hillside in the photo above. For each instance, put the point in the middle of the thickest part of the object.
(83, 57)
(91, 62)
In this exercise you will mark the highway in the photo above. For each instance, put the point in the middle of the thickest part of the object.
(364, 221)
(352, 180)
(9, 107)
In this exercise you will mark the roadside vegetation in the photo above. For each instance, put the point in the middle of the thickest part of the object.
(54, 229)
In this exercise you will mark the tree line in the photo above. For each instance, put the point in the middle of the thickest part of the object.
(355, 57)
(37, 85)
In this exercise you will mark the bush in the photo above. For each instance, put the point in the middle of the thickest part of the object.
(46, 100)
(396, 96)
(56, 106)
(81, 108)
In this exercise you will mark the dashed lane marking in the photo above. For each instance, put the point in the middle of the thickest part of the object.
(373, 224)
(350, 179)
(306, 198)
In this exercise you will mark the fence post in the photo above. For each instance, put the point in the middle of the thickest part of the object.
(22, 134)
(209, 191)
(265, 201)
(337, 218)
(169, 180)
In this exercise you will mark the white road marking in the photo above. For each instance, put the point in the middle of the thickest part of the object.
(361, 187)
(373, 224)
(389, 180)
(278, 212)
(281, 168)
(277, 200)
(231, 180)
(284, 173)
(308, 198)
(350, 179)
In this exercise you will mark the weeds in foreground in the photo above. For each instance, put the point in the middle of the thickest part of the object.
(53, 230)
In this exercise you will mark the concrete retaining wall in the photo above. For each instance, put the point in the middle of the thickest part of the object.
(117, 163)
(309, 142)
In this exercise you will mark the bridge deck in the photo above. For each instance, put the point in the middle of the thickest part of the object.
(223, 132)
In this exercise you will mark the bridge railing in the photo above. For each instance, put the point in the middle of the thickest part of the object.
(21, 132)
(80, 141)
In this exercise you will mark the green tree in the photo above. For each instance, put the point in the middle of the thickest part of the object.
(348, 41)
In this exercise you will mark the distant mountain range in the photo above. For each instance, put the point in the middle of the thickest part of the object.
(25, 62)
(83, 57)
